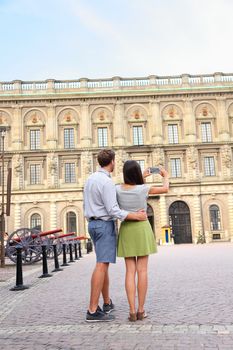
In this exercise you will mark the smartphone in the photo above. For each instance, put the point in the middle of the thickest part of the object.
(154, 170)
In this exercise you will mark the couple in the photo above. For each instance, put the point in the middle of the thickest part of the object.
(103, 204)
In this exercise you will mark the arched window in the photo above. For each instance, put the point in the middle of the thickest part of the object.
(215, 220)
(36, 221)
(71, 225)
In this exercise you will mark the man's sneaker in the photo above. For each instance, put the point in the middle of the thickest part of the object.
(107, 308)
(99, 316)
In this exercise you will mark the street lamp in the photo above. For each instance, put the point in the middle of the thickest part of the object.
(2, 134)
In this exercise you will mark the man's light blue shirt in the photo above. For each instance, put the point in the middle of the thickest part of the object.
(100, 198)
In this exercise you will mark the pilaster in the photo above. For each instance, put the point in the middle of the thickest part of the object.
(222, 120)
(119, 124)
(230, 214)
(189, 122)
(53, 215)
(85, 126)
(156, 123)
(17, 216)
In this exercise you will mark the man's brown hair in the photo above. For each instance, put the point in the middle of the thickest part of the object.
(105, 156)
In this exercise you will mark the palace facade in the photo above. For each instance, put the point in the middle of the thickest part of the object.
(185, 123)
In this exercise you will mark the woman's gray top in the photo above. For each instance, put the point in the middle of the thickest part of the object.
(132, 199)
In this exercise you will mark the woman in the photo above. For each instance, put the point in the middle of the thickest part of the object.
(136, 239)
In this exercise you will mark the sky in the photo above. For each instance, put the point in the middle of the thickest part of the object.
(72, 39)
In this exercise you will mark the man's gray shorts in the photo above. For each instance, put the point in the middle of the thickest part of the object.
(103, 235)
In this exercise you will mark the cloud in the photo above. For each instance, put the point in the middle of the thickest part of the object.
(93, 38)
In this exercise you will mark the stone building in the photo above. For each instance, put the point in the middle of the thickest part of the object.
(184, 123)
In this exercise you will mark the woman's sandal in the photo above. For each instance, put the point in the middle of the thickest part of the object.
(141, 315)
(132, 317)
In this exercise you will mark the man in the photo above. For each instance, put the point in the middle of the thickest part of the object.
(101, 210)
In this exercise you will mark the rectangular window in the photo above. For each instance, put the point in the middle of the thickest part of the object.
(69, 172)
(137, 135)
(35, 139)
(209, 166)
(142, 164)
(173, 133)
(103, 137)
(206, 132)
(69, 138)
(35, 174)
(175, 167)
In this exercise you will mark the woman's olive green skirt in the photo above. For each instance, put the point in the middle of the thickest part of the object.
(136, 239)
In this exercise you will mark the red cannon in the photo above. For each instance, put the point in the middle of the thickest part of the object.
(30, 241)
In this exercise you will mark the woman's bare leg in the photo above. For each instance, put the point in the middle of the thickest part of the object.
(141, 265)
(130, 284)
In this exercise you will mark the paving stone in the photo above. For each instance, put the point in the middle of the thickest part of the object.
(187, 304)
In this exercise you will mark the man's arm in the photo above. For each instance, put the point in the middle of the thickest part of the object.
(140, 215)
(112, 207)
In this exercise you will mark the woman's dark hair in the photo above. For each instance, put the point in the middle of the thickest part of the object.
(132, 173)
(105, 156)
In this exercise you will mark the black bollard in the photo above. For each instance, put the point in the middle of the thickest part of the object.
(71, 254)
(56, 263)
(79, 250)
(89, 246)
(75, 252)
(64, 255)
(45, 265)
(19, 272)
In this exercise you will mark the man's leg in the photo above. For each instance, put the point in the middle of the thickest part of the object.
(97, 284)
(105, 289)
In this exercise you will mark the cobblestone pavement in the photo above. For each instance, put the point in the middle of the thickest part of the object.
(190, 305)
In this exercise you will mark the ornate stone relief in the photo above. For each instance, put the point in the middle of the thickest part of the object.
(192, 160)
(3, 118)
(226, 158)
(52, 170)
(34, 118)
(86, 163)
(172, 112)
(192, 157)
(136, 114)
(101, 115)
(158, 157)
(205, 110)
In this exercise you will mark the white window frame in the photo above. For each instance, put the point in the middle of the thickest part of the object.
(69, 172)
(173, 133)
(102, 136)
(35, 139)
(68, 138)
(209, 166)
(138, 135)
(36, 176)
(206, 132)
(39, 219)
(175, 167)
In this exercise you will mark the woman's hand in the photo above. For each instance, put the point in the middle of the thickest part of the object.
(146, 173)
(163, 172)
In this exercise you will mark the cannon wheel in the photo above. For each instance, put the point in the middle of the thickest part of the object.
(29, 240)
(49, 241)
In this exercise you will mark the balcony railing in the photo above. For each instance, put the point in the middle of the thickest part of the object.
(116, 84)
